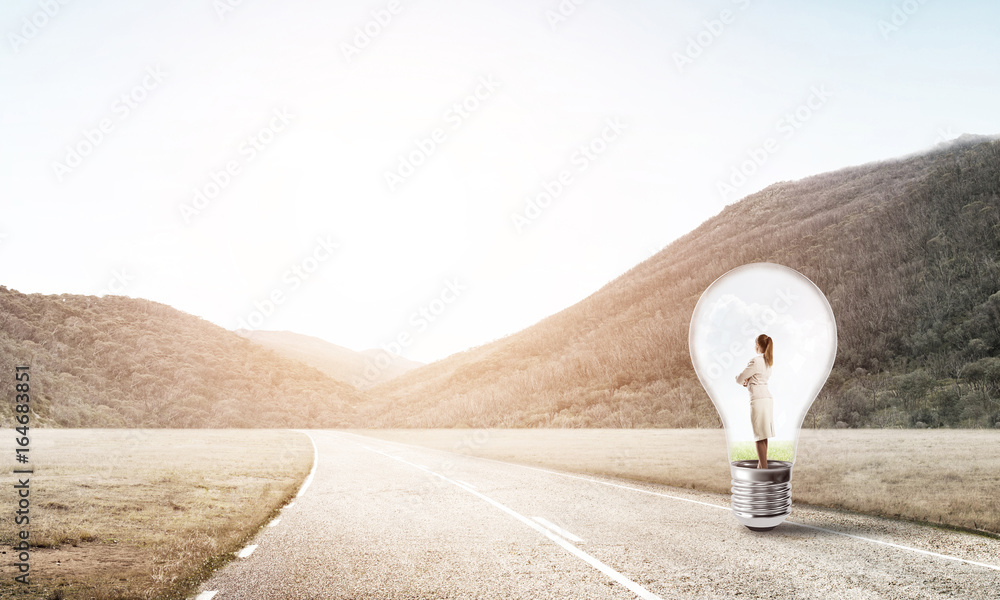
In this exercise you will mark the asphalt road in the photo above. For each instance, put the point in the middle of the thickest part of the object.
(385, 520)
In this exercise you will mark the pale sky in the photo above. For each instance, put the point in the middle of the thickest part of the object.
(116, 113)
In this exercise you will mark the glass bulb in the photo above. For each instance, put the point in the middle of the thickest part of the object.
(740, 305)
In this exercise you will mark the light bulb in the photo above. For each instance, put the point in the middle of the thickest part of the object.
(740, 305)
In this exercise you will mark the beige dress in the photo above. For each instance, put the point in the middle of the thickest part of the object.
(755, 378)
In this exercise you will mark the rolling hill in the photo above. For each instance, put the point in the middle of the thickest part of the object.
(906, 251)
(360, 369)
(114, 361)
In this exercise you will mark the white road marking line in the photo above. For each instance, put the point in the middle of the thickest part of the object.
(625, 487)
(634, 587)
(206, 595)
(726, 508)
(618, 485)
(795, 523)
(900, 546)
(460, 481)
(569, 536)
(290, 504)
(312, 472)
(274, 522)
(247, 551)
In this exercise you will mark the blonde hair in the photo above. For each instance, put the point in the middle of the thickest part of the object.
(767, 345)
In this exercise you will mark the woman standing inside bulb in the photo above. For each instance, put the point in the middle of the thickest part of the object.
(754, 378)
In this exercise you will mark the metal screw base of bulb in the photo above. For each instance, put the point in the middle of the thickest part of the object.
(762, 498)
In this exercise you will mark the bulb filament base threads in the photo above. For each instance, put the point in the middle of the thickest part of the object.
(762, 498)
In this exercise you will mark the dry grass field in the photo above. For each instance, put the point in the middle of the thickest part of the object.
(941, 476)
(143, 513)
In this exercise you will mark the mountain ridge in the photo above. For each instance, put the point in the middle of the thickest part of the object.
(905, 249)
(361, 369)
(839, 229)
(115, 361)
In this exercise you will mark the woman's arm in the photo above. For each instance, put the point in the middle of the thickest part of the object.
(748, 372)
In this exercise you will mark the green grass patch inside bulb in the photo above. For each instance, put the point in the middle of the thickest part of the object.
(776, 450)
